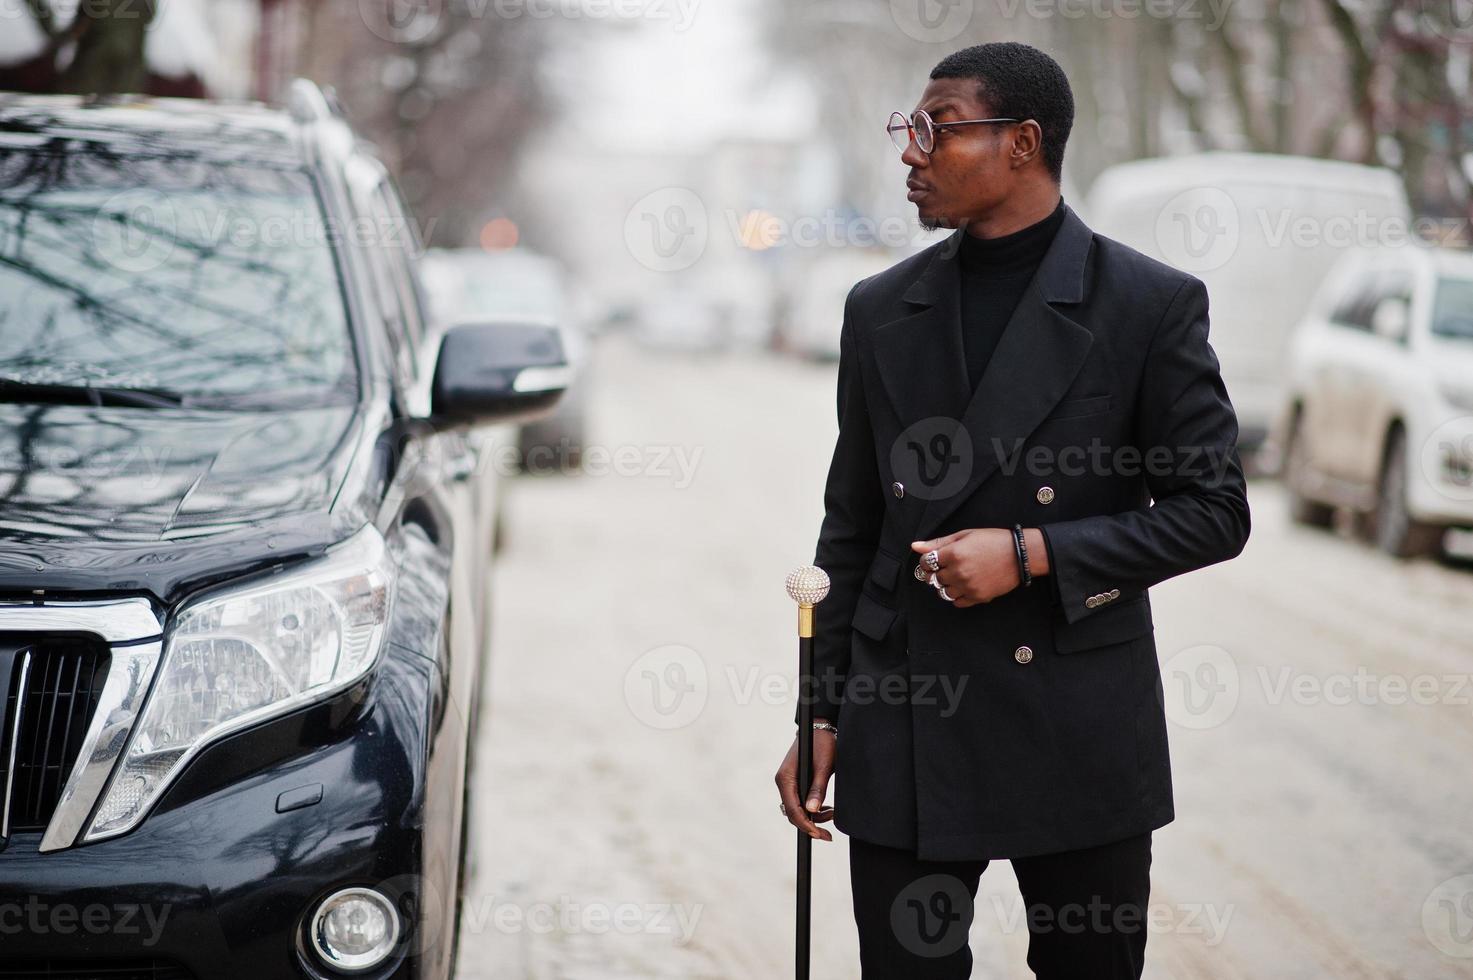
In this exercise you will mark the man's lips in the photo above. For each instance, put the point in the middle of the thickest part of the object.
(916, 190)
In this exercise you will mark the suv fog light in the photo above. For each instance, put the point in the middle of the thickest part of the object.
(354, 929)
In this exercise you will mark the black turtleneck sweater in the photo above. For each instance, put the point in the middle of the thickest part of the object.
(994, 274)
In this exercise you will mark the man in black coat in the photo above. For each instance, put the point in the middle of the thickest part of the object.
(1033, 431)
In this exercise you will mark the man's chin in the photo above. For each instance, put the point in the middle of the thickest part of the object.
(931, 220)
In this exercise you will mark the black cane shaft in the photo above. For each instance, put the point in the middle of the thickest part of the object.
(806, 692)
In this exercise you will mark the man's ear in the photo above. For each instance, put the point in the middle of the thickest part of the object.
(1027, 142)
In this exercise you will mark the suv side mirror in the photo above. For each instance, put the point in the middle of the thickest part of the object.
(1390, 318)
(497, 372)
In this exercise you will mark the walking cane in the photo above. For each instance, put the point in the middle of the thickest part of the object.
(807, 586)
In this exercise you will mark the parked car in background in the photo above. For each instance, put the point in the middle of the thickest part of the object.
(816, 302)
(519, 286)
(242, 549)
(1261, 231)
(1378, 416)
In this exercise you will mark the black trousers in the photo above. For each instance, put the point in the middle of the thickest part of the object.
(1085, 911)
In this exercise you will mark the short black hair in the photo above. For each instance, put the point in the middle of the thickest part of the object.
(1020, 81)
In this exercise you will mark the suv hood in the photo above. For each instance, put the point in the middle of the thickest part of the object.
(128, 499)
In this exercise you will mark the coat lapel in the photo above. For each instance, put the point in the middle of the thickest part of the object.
(922, 366)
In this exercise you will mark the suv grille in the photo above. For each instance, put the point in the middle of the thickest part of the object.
(97, 970)
(51, 691)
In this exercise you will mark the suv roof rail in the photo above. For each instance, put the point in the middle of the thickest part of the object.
(309, 102)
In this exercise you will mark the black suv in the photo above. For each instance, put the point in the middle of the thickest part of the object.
(244, 531)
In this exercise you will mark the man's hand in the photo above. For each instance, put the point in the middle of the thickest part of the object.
(981, 563)
(824, 745)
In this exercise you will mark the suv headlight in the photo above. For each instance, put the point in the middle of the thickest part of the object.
(241, 653)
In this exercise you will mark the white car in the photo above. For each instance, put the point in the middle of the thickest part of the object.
(1379, 413)
(816, 311)
(1261, 230)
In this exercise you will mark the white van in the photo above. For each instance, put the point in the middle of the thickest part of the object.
(1261, 231)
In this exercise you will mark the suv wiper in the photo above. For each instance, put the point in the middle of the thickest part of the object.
(14, 391)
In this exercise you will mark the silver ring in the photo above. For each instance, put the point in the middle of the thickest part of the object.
(932, 560)
(946, 595)
(784, 808)
(932, 579)
(920, 572)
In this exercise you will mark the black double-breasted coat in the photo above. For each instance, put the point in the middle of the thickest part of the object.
(1033, 723)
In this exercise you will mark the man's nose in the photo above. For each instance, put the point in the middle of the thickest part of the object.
(914, 157)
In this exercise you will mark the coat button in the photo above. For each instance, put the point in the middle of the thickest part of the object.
(1045, 495)
(898, 488)
(1023, 654)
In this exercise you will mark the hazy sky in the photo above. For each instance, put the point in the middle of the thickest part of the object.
(681, 75)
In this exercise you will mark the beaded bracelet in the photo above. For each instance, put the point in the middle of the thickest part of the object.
(1022, 552)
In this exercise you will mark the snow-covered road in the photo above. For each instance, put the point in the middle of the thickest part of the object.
(640, 695)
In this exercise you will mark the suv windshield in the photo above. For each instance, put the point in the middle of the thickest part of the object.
(212, 281)
(1452, 310)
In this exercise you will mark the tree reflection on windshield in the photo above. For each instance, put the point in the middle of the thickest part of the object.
(210, 279)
